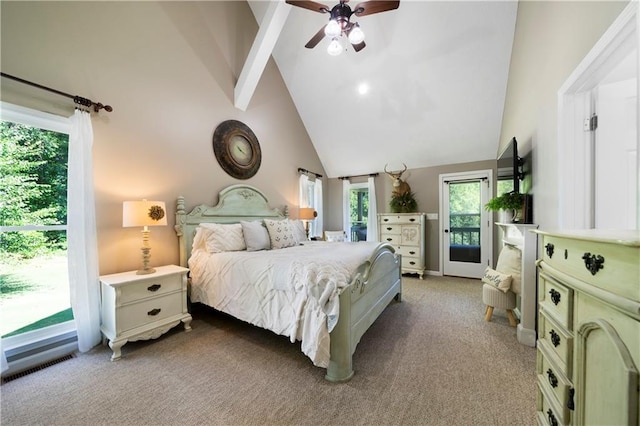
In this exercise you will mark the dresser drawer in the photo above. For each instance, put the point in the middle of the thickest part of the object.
(556, 300)
(552, 376)
(151, 287)
(409, 251)
(149, 311)
(611, 267)
(412, 262)
(557, 340)
(549, 406)
(406, 218)
(390, 229)
(391, 239)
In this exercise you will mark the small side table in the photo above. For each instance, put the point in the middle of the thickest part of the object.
(141, 307)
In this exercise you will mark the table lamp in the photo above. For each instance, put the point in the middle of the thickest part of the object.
(307, 214)
(144, 213)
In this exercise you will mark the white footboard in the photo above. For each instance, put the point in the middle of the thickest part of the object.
(378, 281)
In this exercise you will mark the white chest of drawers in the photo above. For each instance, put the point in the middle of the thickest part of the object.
(406, 232)
(140, 307)
(589, 328)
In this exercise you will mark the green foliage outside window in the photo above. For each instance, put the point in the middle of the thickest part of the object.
(33, 189)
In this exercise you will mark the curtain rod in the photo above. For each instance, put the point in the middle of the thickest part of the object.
(301, 170)
(349, 177)
(76, 99)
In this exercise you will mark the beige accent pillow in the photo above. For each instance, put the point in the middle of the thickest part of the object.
(224, 237)
(280, 233)
(509, 263)
(498, 280)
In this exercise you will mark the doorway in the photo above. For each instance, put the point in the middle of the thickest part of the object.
(466, 234)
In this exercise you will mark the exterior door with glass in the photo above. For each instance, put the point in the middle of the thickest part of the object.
(466, 225)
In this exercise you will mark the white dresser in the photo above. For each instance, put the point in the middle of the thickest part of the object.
(406, 232)
(140, 307)
(589, 328)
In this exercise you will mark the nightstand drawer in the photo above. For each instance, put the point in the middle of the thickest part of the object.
(149, 311)
(557, 300)
(151, 287)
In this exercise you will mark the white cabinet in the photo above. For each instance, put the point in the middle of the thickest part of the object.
(140, 307)
(406, 232)
(589, 323)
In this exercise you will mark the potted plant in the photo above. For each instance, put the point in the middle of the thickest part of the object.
(510, 203)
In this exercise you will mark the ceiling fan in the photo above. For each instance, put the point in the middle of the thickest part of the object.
(340, 21)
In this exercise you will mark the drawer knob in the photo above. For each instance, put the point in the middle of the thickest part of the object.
(593, 262)
(552, 418)
(555, 338)
(549, 248)
(412, 252)
(389, 239)
(154, 312)
(555, 296)
(413, 219)
(553, 380)
(385, 220)
(412, 263)
(389, 228)
(154, 287)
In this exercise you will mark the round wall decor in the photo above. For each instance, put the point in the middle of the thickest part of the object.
(237, 149)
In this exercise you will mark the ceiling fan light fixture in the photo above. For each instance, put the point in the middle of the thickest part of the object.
(333, 29)
(334, 48)
(356, 36)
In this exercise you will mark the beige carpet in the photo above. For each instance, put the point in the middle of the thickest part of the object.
(430, 360)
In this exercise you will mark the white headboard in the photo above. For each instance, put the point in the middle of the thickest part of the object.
(235, 203)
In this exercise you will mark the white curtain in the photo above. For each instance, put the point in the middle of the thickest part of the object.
(319, 225)
(372, 218)
(346, 213)
(303, 185)
(82, 244)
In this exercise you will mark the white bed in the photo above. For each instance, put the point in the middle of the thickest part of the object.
(324, 294)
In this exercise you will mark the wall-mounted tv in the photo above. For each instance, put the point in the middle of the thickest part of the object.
(509, 164)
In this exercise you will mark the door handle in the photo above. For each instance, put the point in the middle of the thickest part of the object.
(446, 230)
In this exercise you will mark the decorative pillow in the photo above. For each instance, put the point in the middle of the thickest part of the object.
(224, 237)
(509, 262)
(256, 236)
(299, 233)
(334, 236)
(498, 280)
(199, 239)
(280, 233)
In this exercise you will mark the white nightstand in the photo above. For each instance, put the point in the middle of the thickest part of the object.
(141, 307)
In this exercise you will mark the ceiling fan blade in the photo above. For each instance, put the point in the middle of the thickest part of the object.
(315, 39)
(311, 5)
(358, 47)
(370, 7)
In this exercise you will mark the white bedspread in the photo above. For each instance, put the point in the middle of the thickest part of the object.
(292, 291)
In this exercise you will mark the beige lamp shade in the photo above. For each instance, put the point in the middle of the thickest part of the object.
(144, 213)
(307, 213)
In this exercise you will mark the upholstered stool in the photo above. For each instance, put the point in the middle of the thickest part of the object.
(495, 298)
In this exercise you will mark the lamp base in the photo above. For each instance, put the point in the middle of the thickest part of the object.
(145, 271)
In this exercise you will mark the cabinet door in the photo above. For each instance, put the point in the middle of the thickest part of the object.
(607, 378)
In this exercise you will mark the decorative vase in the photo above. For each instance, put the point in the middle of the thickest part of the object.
(505, 216)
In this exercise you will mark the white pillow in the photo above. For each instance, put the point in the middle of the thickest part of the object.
(280, 233)
(498, 280)
(224, 237)
(509, 262)
(256, 236)
(334, 236)
(299, 233)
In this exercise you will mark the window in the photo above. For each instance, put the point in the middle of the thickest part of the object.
(358, 211)
(33, 222)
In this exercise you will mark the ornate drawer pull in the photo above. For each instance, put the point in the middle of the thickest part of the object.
(553, 380)
(389, 228)
(154, 287)
(593, 262)
(570, 404)
(549, 248)
(555, 338)
(389, 239)
(154, 312)
(412, 263)
(555, 296)
(552, 418)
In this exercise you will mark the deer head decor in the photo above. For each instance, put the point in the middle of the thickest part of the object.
(402, 199)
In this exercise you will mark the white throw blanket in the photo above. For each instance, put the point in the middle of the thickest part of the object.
(292, 291)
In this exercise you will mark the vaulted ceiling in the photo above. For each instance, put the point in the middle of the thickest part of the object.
(435, 74)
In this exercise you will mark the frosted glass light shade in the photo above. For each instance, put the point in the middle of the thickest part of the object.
(334, 48)
(333, 29)
(356, 36)
(144, 213)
